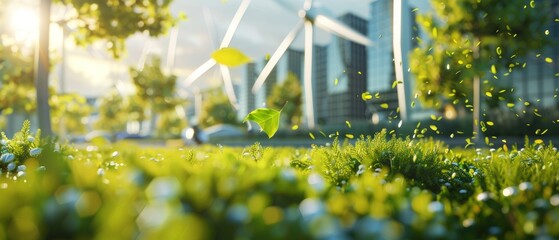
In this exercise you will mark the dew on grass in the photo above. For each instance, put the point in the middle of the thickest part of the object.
(525, 186)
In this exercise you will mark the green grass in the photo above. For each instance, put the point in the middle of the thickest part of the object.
(378, 188)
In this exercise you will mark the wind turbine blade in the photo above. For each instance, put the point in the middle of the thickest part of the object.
(276, 57)
(171, 50)
(234, 23)
(199, 72)
(229, 89)
(212, 30)
(340, 29)
(309, 104)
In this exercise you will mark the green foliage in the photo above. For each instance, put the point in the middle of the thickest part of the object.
(112, 114)
(501, 32)
(217, 109)
(377, 188)
(16, 152)
(115, 20)
(288, 96)
(268, 119)
(17, 93)
(156, 92)
(70, 110)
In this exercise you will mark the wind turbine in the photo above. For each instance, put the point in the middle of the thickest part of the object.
(226, 75)
(310, 17)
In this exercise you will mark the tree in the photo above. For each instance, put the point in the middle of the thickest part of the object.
(216, 109)
(154, 89)
(110, 20)
(287, 95)
(469, 39)
(17, 91)
(70, 110)
(112, 114)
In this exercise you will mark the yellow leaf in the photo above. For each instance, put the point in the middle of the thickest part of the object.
(493, 69)
(433, 127)
(230, 57)
(366, 96)
(295, 127)
(548, 60)
(350, 136)
(384, 105)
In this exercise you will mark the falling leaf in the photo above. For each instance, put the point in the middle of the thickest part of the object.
(489, 123)
(295, 127)
(538, 141)
(548, 60)
(230, 57)
(350, 136)
(312, 136)
(268, 119)
(348, 124)
(493, 69)
(499, 51)
(489, 94)
(433, 127)
(532, 4)
(384, 105)
(336, 81)
(366, 96)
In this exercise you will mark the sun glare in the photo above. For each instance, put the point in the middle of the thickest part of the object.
(23, 24)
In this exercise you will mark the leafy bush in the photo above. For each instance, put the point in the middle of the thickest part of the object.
(377, 188)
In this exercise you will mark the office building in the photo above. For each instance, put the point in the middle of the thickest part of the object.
(537, 81)
(381, 69)
(245, 97)
(346, 76)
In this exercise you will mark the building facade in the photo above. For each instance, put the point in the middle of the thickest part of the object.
(346, 77)
(381, 67)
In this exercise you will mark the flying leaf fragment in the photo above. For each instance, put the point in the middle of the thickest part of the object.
(384, 105)
(268, 119)
(548, 60)
(366, 96)
(230, 57)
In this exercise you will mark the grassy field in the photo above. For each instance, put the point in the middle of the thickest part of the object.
(377, 188)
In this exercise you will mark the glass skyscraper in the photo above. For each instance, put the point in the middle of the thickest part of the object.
(346, 77)
(382, 73)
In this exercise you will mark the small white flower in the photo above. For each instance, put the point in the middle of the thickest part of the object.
(11, 166)
(21, 168)
(35, 152)
(20, 174)
(31, 139)
(463, 191)
(4, 142)
(7, 157)
(100, 171)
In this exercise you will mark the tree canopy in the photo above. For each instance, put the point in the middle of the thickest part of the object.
(500, 33)
(287, 95)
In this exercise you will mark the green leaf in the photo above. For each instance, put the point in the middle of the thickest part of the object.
(268, 119)
(384, 105)
(230, 57)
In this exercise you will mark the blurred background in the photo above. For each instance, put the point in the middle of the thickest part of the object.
(416, 77)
